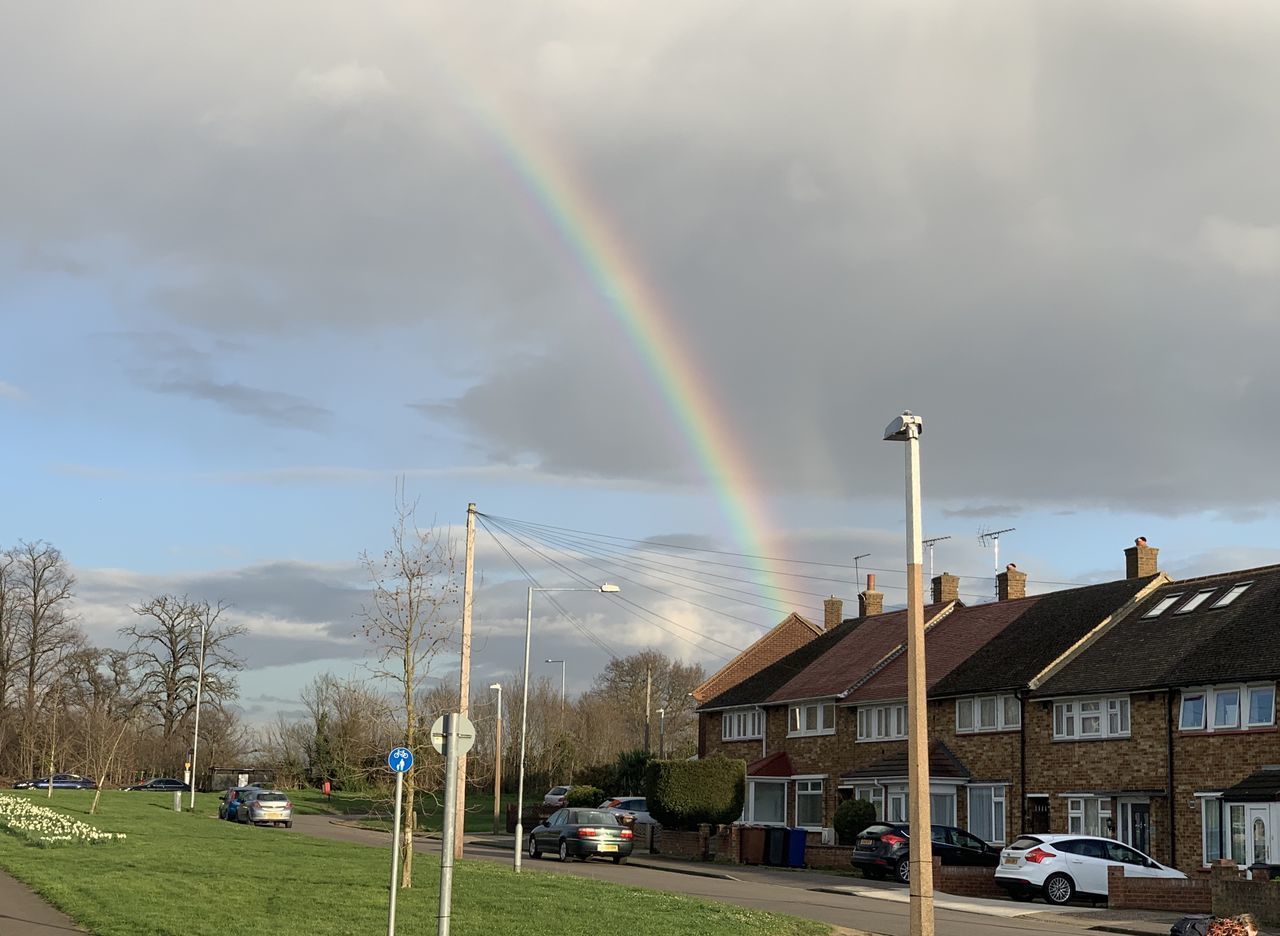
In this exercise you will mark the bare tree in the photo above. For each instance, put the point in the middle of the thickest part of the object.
(8, 646)
(410, 620)
(102, 696)
(165, 649)
(44, 633)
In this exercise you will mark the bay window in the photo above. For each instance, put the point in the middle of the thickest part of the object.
(766, 802)
(986, 812)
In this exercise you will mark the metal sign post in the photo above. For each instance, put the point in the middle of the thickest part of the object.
(400, 759)
(452, 735)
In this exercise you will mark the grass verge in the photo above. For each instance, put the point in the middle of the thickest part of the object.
(189, 874)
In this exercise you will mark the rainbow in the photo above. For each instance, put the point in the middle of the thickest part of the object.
(636, 306)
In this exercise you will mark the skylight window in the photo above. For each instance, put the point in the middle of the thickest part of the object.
(1235, 592)
(1163, 605)
(1197, 600)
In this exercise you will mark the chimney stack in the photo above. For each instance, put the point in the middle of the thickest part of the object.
(1011, 583)
(832, 612)
(946, 587)
(1140, 559)
(870, 601)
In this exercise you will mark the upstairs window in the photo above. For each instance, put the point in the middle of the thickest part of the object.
(882, 722)
(812, 718)
(1163, 605)
(988, 713)
(742, 725)
(1196, 601)
(1235, 592)
(1091, 719)
(1228, 708)
(1192, 712)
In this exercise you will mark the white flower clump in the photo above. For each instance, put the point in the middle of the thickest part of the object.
(44, 826)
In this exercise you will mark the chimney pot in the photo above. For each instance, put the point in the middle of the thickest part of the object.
(870, 602)
(946, 587)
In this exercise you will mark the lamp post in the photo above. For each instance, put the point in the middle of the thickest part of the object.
(195, 741)
(907, 428)
(662, 733)
(607, 589)
(497, 760)
(561, 662)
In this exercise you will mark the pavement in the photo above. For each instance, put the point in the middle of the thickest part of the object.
(25, 913)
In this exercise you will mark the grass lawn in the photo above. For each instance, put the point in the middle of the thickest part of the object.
(430, 811)
(192, 875)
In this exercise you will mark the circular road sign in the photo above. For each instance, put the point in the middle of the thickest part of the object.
(400, 759)
(466, 734)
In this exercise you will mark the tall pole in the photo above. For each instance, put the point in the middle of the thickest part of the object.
(920, 912)
(195, 741)
(497, 762)
(524, 731)
(648, 689)
(464, 678)
(448, 844)
(662, 734)
(395, 856)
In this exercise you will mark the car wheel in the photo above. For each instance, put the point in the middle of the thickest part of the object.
(619, 859)
(534, 851)
(289, 824)
(902, 870)
(564, 850)
(1058, 889)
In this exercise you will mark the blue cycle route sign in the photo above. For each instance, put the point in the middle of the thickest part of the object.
(400, 759)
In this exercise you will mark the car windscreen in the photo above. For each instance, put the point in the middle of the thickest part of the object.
(271, 798)
(593, 817)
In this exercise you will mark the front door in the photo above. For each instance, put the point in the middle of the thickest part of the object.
(1258, 834)
(1038, 814)
(1140, 827)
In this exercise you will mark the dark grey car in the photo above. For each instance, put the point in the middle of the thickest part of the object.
(582, 834)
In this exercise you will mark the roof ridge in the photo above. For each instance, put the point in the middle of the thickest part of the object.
(1274, 567)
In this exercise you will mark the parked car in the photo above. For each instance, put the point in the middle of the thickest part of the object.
(1058, 867)
(883, 849)
(162, 785)
(633, 806)
(61, 781)
(582, 833)
(230, 801)
(265, 807)
(556, 796)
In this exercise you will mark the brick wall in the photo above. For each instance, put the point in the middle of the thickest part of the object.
(1193, 895)
(1232, 894)
(988, 756)
(966, 881)
(827, 856)
(682, 844)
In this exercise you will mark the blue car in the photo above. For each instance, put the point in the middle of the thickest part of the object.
(61, 781)
(229, 808)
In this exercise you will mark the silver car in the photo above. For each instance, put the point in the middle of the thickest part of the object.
(265, 807)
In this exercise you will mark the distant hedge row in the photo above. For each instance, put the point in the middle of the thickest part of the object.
(682, 794)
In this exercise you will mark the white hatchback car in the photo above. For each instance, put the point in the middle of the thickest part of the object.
(1057, 867)
(556, 796)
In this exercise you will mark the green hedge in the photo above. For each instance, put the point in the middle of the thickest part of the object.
(584, 796)
(852, 816)
(682, 794)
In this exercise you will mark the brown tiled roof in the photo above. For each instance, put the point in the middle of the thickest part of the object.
(777, 764)
(792, 632)
(950, 642)
(851, 657)
(942, 763)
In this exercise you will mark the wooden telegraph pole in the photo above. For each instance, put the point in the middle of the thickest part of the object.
(464, 681)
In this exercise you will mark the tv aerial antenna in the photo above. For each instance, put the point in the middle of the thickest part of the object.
(928, 544)
(857, 575)
(992, 538)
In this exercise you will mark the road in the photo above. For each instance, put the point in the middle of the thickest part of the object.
(789, 893)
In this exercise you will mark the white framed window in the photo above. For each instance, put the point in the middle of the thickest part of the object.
(1091, 719)
(811, 718)
(988, 713)
(942, 807)
(1210, 829)
(1088, 815)
(1229, 707)
(766, 802)
(1163, 605)
(882, 722)
(1196, 600)
(742, 725)
(809, 812)
(986, 812)
(896, 802)
(1262, 706)
(874, 795)
(1192, 718)
(1235, 592)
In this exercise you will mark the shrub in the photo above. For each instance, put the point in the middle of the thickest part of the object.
(852, 816)
(629, 771)
(682, 794)
(584, 796)
(597, 775)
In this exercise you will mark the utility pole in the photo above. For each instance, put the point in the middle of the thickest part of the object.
(648, 689)
(464, 680)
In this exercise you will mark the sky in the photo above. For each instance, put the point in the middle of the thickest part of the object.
(656, 271)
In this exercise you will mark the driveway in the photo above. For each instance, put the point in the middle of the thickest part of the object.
(760, 889)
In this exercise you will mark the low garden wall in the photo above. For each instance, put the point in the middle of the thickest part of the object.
(965, 881)
(1233, 894)
(1124, 891)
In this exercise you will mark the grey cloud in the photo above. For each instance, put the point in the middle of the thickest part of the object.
(1067, 268)
(982, 510)
(268, 406)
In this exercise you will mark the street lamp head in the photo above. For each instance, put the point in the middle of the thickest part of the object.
(553, 661)
(609, 589)
(904, 428)
(497, 686)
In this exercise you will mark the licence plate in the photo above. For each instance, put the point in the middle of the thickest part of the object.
(607, 848)
(866, 843)
(272, 814)
(1011, 861)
